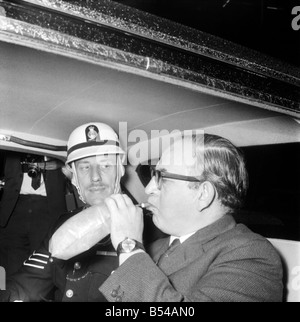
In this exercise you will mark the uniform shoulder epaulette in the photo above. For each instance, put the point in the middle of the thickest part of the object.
(37, 260)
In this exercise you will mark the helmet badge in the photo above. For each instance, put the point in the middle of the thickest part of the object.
(92, 133)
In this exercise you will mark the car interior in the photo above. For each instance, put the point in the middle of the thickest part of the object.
(51, 82)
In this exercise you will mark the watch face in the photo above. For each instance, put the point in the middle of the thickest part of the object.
(128, 245)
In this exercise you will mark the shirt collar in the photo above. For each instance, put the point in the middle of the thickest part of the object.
(182, 238)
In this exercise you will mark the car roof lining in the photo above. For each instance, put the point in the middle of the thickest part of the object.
(45, 96)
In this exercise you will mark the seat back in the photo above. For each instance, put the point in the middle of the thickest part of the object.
(290, 254)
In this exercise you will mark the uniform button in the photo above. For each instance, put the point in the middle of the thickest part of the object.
(77, 265)
(114, 293)
(69, 294)
(118, 299)
(51, 260)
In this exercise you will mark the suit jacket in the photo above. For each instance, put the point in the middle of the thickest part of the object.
(221, 262)
(54, 183)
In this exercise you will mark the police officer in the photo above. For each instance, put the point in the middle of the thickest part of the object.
(95, 167)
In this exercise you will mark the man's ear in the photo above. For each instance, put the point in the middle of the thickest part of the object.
(206, 195)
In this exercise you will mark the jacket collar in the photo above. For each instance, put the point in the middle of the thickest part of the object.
(193, 247)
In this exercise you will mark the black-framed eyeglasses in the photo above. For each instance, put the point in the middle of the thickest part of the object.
(159, 175)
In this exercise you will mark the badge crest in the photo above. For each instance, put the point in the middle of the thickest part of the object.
(92, 133)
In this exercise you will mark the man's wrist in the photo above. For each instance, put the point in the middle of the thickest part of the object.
(129, 245)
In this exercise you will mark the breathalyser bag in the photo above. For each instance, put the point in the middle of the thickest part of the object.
(80, 232)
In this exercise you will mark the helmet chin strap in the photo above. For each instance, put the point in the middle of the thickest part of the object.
(117, 189)
(75, 182)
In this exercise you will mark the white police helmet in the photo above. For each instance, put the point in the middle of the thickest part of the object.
(93, 139)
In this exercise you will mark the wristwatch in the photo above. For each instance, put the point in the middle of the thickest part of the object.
(129, 245)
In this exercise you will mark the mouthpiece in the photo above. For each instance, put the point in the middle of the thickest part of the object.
(144, 206)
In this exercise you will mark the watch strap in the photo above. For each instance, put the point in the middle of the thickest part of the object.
(121, 250)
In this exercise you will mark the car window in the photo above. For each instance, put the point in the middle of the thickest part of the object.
(272, 205)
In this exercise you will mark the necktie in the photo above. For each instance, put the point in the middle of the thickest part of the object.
(36, 181)
(176, 242)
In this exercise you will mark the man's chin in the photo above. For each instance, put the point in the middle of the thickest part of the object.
(95, 201)
(156, 222)
(153, 210)
(155, 214)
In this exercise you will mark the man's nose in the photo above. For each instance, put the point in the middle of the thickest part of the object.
(96, 174)
(151, 187)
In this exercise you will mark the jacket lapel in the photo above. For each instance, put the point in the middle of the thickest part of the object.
(158, 248)
(192, 248)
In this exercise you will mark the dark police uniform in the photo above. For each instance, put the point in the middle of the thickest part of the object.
(43, 278)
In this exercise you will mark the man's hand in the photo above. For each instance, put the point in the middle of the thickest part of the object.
(126, 219)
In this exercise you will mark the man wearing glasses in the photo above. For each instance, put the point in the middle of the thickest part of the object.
(208, 257)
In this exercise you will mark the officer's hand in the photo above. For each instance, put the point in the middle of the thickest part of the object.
(126, 219)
